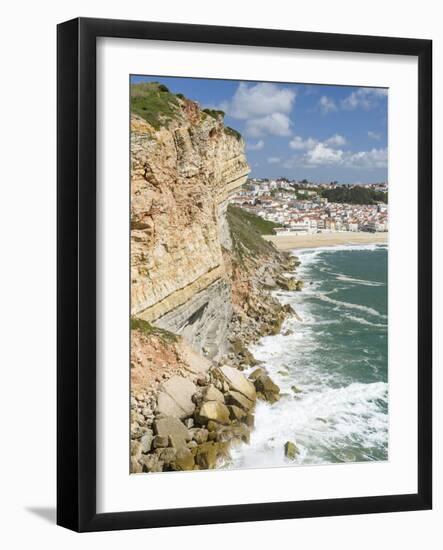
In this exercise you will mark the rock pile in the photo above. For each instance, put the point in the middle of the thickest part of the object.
(193, 423)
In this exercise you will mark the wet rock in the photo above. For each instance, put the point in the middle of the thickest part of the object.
(289, 283)
(239, 400)
(200, 435)
(236, 413)
(249, 420)
(236, 381)
(238, 432)
(291, 450)
(267, 388)
(256, 373)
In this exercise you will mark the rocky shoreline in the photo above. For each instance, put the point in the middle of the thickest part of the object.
(192, 416)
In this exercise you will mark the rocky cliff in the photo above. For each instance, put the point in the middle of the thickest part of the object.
(181, 176)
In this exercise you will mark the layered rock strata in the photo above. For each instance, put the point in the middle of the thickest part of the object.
(181, 177)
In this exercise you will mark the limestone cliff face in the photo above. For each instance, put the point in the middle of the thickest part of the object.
(181, 177)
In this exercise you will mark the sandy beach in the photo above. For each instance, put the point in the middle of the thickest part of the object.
(288, 242)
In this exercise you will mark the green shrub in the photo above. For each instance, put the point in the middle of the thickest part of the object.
(214, 113)
(153, 102)
(231, 132)
(149, 330)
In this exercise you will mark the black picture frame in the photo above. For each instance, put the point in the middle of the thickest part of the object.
(76, 273)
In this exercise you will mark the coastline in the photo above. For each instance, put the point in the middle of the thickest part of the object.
(271, 434)
(289, 242)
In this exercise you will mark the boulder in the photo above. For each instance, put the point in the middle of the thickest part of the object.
(160, 441)
(175, 397)
(289, 283)
(256, 373)
(239, 400)
(171, 427)
(249, 420)
(236, 381)
(206, 456)
(166, 455)
(200, 435)
(237, 432)
(146, 441)
(267, 388)
(213, 394)
(213, 410)
(136, 449)
(184, 460)
(136, 467)
(151, 463)
(236, 413)
(291, 450)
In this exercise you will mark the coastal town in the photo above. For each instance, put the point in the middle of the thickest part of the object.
(304, 207)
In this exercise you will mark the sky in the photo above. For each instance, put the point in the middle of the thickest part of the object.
(321, 133)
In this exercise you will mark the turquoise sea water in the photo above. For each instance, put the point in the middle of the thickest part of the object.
(336, 357)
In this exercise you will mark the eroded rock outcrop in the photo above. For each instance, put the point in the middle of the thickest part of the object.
(181, 177)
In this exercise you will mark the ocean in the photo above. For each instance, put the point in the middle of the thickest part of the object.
(330, 364)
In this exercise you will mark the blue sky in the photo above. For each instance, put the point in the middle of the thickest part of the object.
(321, 133)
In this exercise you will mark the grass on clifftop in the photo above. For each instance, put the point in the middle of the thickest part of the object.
(246, 233)
(154, 102)
(149, 330)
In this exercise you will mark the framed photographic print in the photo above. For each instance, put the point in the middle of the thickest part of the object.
(244, 274)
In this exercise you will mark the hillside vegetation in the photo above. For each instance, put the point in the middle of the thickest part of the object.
(246, 233)
(154, 102)
(354, 195)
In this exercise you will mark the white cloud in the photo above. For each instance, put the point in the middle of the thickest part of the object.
(363, 98)
(375, 158)
(374, 135)
(255, 146)
(322, 154)
(277, 124)
(327, 105)
(300, 144)
(274, 160)
(336, 141)
(251, 101)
